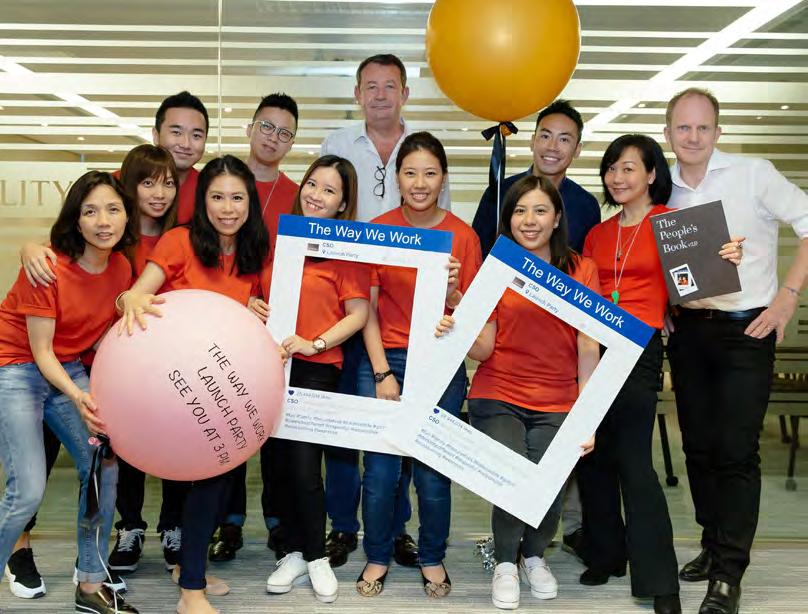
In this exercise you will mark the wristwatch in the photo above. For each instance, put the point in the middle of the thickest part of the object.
(319, 345)
(379, 377)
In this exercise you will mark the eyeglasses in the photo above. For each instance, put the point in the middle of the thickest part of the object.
(379, 175)
(267, 128)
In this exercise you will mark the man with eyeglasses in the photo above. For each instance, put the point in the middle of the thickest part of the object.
(272, 134)
(371, 146)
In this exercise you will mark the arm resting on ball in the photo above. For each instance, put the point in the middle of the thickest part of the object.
(140, 298)
(40, 338)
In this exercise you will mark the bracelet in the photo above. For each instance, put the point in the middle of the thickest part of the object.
(793, 291)
(118, 305)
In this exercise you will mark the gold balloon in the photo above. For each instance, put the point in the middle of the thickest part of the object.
(502, 59)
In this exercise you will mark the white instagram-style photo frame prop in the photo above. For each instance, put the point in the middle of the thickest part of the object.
(340, 419)
(468, 456)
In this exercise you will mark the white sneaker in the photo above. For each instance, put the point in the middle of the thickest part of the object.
(505, 587)
(537, 574)
(323, 580)
(291, 570)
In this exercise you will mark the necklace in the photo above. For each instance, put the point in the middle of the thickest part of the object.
(269, 196)
(619, 255)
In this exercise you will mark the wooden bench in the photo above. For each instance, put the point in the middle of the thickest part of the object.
(789, 398)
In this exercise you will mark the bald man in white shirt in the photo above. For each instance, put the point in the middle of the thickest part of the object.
(722, 348)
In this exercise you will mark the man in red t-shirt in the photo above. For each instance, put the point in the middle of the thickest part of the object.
(181, 126)
(272, 134)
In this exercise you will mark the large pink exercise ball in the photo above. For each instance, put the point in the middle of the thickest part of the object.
(502, 59)
(196, 393)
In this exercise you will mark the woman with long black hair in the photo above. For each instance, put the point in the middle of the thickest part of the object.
(222, 251)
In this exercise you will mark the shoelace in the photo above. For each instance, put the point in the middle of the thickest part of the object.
(283, 561)
(127, 539)
(172, 539)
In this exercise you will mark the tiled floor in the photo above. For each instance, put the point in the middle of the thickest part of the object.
(777, 581)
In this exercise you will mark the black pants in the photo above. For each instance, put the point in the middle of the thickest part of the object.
(275, 480)
(621, 463)
(528, 433)
(131, 495)
(304, 518)
(722, 380)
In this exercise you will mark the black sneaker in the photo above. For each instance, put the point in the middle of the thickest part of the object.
(127, 551)
(228, 540)
(24, 580)
(114, 582)
(171, 539)
(103, 601)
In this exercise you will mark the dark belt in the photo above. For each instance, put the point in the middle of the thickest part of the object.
(717, 314)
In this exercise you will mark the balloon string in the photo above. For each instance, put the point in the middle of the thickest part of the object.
(496, 170)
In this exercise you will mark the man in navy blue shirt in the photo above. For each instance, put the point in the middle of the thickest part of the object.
(555, 144)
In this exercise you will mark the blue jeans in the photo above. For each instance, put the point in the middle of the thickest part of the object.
(383, 473)
(27, 400)
(342, 483)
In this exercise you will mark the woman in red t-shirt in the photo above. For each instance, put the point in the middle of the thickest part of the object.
(43, 332)
(532, 368)
(333, 306)
(149, 177)
(222, 251)
(636, 179)
(421, 170)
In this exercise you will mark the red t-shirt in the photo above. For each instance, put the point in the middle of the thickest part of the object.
(397, 284)
(175, 255)
(642, 285)
(275, 202)
(82, 303)
(535, 359)
(325, 286)
(186, 198)
(143, 249)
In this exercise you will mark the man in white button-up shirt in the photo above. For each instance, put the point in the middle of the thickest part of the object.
(722, 348)
(371, 146)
